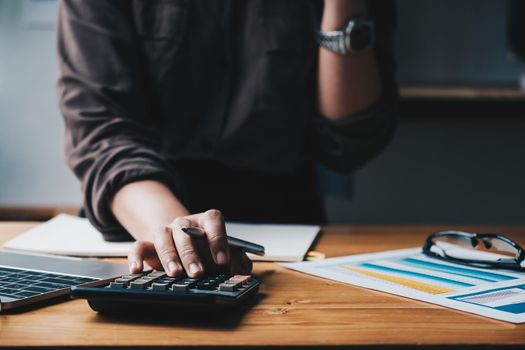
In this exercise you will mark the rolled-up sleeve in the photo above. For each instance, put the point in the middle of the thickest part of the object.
(349, 143)
(346, 144)
(108, 142)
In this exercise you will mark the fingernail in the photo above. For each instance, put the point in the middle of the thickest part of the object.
(134, 266)
(172, 267)
(194, 269)
(221, 258)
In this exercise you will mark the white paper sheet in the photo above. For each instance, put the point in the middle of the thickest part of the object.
(498, 294)
(70, 235)
(281, 242)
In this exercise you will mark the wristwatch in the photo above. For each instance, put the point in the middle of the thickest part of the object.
(356, 36)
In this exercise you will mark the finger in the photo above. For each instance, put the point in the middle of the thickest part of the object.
(240, 263)
(167, 252)
(212, 221)
(185, 247)
(139, 252)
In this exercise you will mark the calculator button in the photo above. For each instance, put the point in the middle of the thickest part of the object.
(157, 274)
(139, 284)
(244, 279)
(122, 281)
(118, 285)
(189, 280)
(147, 278)
(230, 286)
(217, 279)
(167, 280)
(127, 278)
(206, 285)
(179, 287)
(184, 284)
(159, 286)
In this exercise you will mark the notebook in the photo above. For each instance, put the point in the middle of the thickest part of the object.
(74, 236)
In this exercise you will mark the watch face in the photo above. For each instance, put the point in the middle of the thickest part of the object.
(360, 37)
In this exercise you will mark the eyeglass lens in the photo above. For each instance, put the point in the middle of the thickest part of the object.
(464, 247)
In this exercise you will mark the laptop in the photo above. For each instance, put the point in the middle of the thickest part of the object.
(29, 278)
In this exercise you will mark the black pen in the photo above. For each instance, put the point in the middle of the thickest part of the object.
(246, 246)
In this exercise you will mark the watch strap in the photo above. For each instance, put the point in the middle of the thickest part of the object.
(340, 41)
(333, 41)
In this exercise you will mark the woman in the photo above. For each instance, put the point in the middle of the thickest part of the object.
(173, 108)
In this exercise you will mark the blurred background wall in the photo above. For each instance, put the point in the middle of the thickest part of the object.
(32, 169)
(457, 156)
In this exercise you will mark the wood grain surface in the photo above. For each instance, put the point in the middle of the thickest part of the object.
(293, 310)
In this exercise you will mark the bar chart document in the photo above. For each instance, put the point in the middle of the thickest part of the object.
(498, 294)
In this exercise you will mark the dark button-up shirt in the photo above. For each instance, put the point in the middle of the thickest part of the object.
(147, 84)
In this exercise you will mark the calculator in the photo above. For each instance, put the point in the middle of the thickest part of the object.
(155, 290)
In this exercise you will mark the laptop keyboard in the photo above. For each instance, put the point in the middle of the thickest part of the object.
(19, 284)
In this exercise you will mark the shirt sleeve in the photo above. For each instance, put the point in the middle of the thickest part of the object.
(346, 144)
(108, 140)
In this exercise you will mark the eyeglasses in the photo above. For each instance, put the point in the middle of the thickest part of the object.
(485, 250)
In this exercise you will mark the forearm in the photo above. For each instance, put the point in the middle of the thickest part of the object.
(142, 207)
(350, 83)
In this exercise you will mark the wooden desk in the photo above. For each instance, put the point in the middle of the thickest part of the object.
(461, 93)
(297, 310)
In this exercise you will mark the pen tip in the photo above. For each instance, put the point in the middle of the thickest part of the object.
(194, 231)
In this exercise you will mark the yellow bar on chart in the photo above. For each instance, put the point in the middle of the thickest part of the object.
(421, 286)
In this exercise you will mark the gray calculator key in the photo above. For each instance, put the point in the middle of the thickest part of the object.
(159, 286)
(180, 287)
(229, 286)
(139, 284)
(184, 284)
(148, 278)
(131, 276)
(157, 274)
(117, 285)
(167, 280)
(123, 281)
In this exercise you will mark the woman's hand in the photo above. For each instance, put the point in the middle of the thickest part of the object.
(174, 251)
